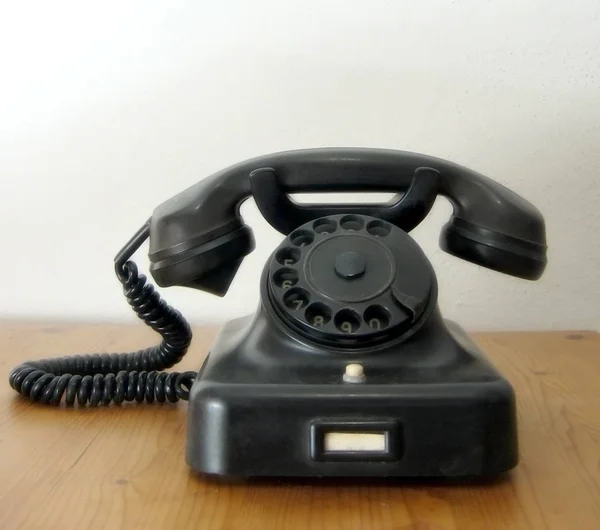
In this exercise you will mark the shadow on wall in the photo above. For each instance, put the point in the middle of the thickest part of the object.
(104, 167)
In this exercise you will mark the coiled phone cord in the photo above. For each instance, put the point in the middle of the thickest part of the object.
(96, 379)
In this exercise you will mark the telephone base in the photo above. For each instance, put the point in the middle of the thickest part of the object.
(433, 406)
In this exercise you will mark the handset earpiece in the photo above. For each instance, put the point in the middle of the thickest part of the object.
(492, 226)
(493, 250)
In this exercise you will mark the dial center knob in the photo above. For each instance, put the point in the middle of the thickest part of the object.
(350, 265)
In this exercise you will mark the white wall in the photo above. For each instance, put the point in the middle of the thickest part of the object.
(108, 108)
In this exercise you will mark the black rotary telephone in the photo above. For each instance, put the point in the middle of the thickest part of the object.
(347, 368)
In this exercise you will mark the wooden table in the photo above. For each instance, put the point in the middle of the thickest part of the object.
(123, 467)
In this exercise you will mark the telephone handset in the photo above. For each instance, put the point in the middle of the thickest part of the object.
(198, 238)
(347, 367)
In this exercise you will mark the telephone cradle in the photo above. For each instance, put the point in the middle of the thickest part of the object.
(347, 368)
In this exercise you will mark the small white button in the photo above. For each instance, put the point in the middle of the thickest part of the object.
(354, 373)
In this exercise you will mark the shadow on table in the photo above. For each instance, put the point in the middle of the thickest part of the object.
(429, 482)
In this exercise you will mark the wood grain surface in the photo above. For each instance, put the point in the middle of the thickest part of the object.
(123, 467)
